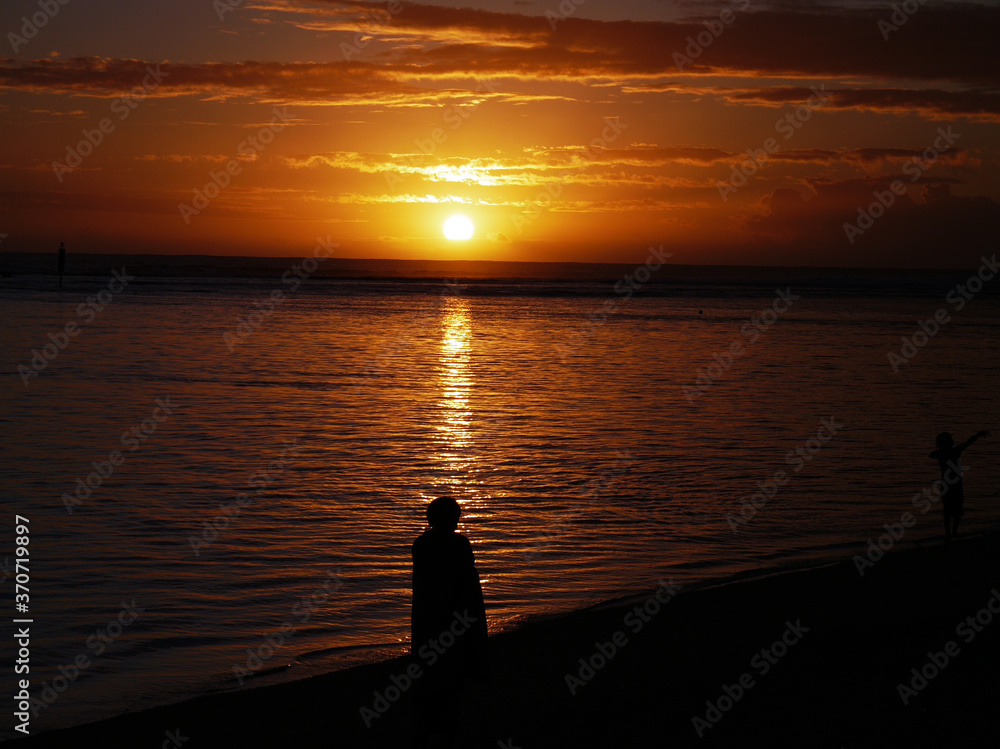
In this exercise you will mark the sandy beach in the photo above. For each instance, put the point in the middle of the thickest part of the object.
(819, 657)
(630, 360)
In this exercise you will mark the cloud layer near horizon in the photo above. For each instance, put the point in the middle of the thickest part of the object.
(548, 128)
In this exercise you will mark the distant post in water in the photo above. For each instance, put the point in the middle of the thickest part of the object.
(62, 261)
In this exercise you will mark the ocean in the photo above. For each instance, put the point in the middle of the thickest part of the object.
(222, 482)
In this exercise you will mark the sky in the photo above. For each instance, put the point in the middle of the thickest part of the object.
(740, 133)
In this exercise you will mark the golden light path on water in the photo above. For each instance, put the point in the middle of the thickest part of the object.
(456, 444)
(394, 394)
(455, 437)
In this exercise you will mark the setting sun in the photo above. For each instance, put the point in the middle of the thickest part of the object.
(458, 228)
(532, 284)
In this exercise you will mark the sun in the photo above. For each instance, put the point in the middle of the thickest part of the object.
(458, 228)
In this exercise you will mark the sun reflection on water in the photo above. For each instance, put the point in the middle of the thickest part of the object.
(456, 382)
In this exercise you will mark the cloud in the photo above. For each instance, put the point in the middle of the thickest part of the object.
(949, 42)
(953, 44)
(933, 229)
(934, 104)
(265, 81)
(302, 83)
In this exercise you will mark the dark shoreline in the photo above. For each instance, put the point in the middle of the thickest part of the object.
(836, 686)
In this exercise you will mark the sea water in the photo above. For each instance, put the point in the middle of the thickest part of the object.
(268, 458)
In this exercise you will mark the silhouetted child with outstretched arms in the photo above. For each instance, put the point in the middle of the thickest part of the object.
(949, 456)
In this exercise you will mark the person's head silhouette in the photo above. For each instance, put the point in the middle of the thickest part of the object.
(945, 441)
(443, 514)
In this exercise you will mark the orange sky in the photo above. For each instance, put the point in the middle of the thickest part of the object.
(584, 136)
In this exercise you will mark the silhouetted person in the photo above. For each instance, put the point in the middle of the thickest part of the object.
(949, 458)
(62, 261)
(448, 623)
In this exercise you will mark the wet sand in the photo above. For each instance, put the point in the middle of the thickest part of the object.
(810, 658)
